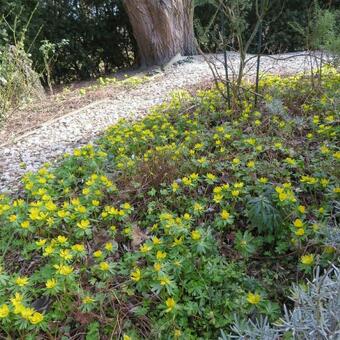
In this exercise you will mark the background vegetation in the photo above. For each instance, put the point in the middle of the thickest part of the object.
(94, 37)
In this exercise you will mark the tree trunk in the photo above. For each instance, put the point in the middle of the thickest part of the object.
(162, 29)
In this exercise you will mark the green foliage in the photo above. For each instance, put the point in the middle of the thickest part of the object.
(280, 22)
(19, 83)
(98, 32)
(264, 215)
(167, 227)
(321, 31)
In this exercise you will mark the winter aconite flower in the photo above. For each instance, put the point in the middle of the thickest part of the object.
(21, 281)
(307, 260)
(298, 223)
(253, 299)
(87, 300)
(4, 311)
(170, 304)
(225, 215)
(36, 318)
(104, 266)
(160, 255)
(196, 235)
(51, 283)
(300, 232)
(64, 269)
(136, 275)
(83, 224)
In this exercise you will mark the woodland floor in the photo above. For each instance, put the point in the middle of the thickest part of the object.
(43, 131)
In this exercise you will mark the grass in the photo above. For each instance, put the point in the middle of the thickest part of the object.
(172, 226)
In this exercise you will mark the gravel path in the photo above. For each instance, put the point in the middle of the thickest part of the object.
(52, 139)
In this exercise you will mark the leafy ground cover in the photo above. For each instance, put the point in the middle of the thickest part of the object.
(174, 225)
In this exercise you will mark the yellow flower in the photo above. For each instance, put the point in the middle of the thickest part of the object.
(164, 280)
(177, 333)
(41, 242)
(21, 281)
(263, 180)
(307, 260)
(63, 269)
(157, 266)
(282, 196)
(186, 181)
(4, 311)
(198, 207)
(301, 209)
(145, 248)
(329, 249)
(239, 185)
(236, 161)
(95, 203)
(108, 246)
(62, 213)
(12, 218)
(87, 300)
(174, 186)
(98, 253)
(196, 235)
(211, 177)
(26, 313)
(79, 248)
(126, 206)
(194, 176)
(104, 266)
(187, 217)
(253, 299)
(217, 190)
(300, 232)
(170, 304)
(83, 224)
(235, 193)
(50, 206)
(177, 241)
(156, 240)
(224, 214)
(160, 255)
(251, 164)
(324, 182)
(324, 149)
(25, 224)
(65, 254)
(36, 318)
(136, 275)
(17, 299)
(218, 198)
(298, 223)
(48, 251)
(126, 337)
(61, 239)
(51, 283)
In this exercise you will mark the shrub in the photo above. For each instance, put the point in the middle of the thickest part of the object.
(314, 316)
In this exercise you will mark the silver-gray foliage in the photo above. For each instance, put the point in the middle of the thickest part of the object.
(316, 315)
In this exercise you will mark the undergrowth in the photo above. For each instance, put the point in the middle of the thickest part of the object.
(173, 226)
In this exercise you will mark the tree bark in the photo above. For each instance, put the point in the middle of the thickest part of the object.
(162, 29)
